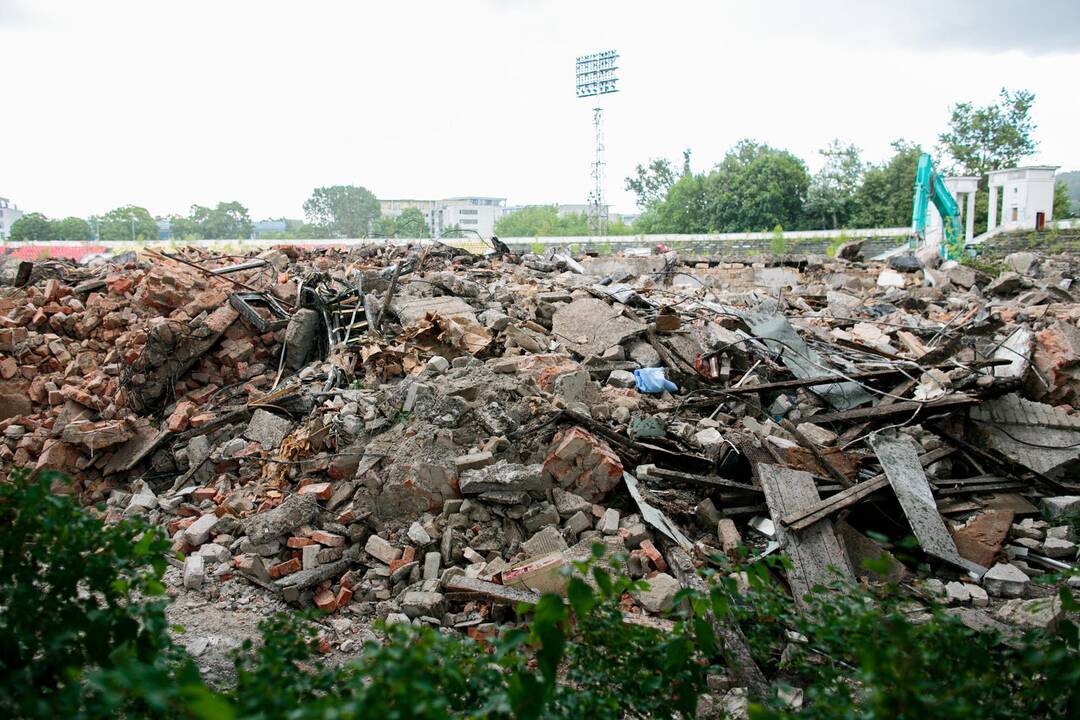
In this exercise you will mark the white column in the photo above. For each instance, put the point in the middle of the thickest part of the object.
(969, 216)
(991, 219)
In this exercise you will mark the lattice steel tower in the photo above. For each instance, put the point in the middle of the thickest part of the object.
(595, 77)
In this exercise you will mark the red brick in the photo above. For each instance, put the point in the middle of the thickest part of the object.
(654, 555)
(323, 491)
(204, 493)
(324, 600)
(344, 595)
(327, 539)
(298, 542)
(285, 568)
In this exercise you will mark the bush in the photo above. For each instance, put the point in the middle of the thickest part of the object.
(83, 634)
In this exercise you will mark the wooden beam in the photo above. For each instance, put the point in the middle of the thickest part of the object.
(898, 409)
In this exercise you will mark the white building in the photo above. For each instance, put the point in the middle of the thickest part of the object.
(473, 214)
(1025, 196)
(963, 189)
(8, 215)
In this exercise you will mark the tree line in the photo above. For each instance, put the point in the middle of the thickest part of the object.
(757, 187)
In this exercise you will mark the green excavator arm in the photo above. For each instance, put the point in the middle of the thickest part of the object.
(929, 187)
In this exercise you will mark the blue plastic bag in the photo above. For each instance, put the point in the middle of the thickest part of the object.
(652, 380)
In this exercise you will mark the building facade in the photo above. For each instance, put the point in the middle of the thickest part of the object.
(472, 213)
(8, 215)
(1025, 196)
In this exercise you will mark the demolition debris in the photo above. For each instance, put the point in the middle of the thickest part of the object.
(422, 435)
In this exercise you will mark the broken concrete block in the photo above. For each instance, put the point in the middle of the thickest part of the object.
(588, 326)
(267, 429)
(568, 504)
(660, 594)
(1056, 507)
(432, 561)
(546, 541)
(956, 593)
(199, 531)
(423, 604)
(382, 550)
(438, 365)
(295, 511)
(1005, 580)
(621, 379)
(504, 476)
(578, 523)
(609, 522)
(979, 598)
(708, 439)
(194, 572)
(1057, 548)
(300, 337)
(729, 536)
(215, 553)
(817, 434)
(418, 535)
(1037, 614)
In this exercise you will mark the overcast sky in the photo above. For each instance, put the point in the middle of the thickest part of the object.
(163, 105)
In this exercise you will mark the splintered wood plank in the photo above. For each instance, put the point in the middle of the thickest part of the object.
(816, 555)
(900, 460)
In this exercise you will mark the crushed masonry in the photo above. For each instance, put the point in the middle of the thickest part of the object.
(420, 434)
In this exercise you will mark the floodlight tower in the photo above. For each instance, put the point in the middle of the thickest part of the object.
(595, 77)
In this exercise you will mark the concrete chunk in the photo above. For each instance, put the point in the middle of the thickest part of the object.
(1005, 580)
(267, 429)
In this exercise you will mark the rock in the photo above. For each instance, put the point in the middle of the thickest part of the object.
(1056, 507)
(1058, 548)
(1037, 614)
(621, 379)
(729, 536)
(1007, 283)
(300, 337)
(267, 429)
(1061, 532)
(194, 572)
(588, 326)
(423, 604)
(1005, 580)
(905, 263)
(578, 523)
(660, 594)
(382, 550)
(979, 598)
(473, 461)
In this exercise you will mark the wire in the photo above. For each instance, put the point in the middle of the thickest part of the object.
(1012, 437)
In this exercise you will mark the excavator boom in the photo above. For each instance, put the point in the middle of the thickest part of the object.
(929, 187)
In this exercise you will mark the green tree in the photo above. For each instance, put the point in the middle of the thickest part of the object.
(184, 228)
(684, 210)
(127, 223)
(411, 223)
(981, 139)
(651, 183)
(884, 198)
(532, 221)
(832, 189)
(342, 210)
(1061, 201)
(227, 221)
(756, 187)
(72, 228)
(32, 227)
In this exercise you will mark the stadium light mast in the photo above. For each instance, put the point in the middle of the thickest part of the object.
(595, 77)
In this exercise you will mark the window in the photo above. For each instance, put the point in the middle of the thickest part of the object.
(466, 221)
(468, 212)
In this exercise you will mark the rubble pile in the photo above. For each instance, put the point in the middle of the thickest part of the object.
(422, 435)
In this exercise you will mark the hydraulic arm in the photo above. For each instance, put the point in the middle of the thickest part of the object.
(929, 187)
